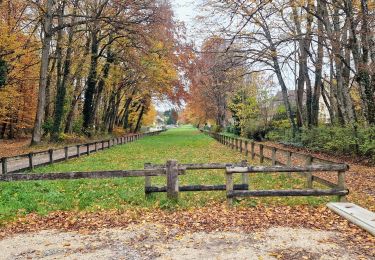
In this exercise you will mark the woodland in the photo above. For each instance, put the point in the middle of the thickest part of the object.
(85, 67)
(300, 72)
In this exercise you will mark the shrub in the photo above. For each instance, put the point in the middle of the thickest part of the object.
(340, 140)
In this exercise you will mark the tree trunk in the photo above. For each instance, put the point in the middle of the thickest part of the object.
(88, 107)
(46, 45)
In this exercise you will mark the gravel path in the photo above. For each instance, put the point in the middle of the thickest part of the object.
(148, 241)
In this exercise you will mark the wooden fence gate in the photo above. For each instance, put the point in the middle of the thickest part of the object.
(173, 169)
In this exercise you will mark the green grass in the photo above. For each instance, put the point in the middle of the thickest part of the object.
(185, 144)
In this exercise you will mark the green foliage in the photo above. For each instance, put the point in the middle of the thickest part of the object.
(339, 140)
(3, 73)
(172, 117)
(47, 126)
(77, 125)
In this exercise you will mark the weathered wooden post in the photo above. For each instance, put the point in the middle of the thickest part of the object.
(229, 187)
(78, 153)
(96, 146)
(50, 152)
(66, 153)
(341, 184)
(252, 150)
(274, 155)
(31, 163)
(147, 181)
(246, 148)
(88, 149)
(261, 154)
(4, 165)
(245, 175)
(172, 179)
(237, 148)
(240, 145)
(309, 178)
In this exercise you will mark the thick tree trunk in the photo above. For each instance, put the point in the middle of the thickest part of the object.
(46, 45)
(62, 74)
(138, 126)
(88, 107)
(318, 73)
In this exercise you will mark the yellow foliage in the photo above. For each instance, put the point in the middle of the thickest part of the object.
(150, 116)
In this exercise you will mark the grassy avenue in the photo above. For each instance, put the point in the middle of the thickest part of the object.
(185, 144)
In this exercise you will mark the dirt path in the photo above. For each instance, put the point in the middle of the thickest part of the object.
(148, 241)
(20, 163)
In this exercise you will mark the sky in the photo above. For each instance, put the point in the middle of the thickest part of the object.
(184, 11)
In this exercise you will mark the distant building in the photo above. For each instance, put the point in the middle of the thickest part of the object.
(292, 96)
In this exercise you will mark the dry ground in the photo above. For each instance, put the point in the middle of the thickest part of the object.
(213, 232)
(147, 241)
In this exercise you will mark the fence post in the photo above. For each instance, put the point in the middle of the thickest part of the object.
(172, 179)
(66, 153)
(246, 148)
(88, 149)
(245, 176)
(341, 184)
(240, 145)
(147, 181)
(31, 163)
(96, 146)
(309, 179)
(4, 165)
(274, 155)
(252, 150)
(229, 187)
(50, 152)
(78, 153)
(261, 149)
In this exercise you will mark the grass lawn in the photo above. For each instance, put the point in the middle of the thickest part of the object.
(185, 144)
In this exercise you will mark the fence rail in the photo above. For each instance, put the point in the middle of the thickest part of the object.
(172, 170)
(249, 148)
(33, 159)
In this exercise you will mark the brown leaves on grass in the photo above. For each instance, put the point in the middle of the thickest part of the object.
(360, 179)
(212, 218)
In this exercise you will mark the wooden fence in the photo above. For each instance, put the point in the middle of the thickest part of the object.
(31, 160)
(242, 190)
(249, 148)
(171, 170)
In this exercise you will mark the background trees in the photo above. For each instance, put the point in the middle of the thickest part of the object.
(322, 49)
(94, 65)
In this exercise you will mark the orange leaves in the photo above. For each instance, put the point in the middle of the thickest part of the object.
(207, 219)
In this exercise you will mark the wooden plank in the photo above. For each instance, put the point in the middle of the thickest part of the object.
(229, 187)
(359, 216)
(80, 175)
(199, 166)
(148, 182)
(324, 182)
(307, 168)
(274, 193)
(152, 189)
(172, 179)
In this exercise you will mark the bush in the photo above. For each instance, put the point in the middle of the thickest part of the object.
(71, 138)
(255, 129)
(339, 140)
